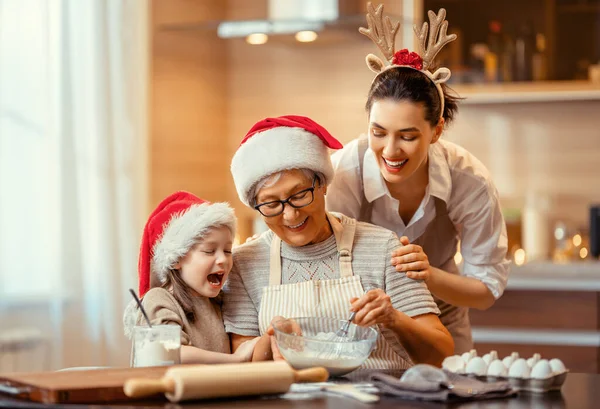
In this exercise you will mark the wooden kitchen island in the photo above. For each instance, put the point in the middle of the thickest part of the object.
(551, 309)
(580, 391)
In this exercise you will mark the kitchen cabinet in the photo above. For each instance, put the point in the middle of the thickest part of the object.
(514, 40)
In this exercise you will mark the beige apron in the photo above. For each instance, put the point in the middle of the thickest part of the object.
(442, 232)
(326, 298)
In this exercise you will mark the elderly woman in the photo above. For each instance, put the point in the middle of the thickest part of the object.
(315, 263)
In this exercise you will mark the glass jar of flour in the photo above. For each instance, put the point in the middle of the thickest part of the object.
(156, 346)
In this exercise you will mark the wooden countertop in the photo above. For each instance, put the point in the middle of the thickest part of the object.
(581, 391)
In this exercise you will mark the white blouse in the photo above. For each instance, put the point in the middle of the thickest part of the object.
(456, 177)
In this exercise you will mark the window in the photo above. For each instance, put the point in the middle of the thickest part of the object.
(29, 182)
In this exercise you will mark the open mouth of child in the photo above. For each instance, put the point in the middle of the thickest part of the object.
(215, 279)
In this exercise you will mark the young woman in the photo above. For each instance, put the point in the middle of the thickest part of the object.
(432, 193)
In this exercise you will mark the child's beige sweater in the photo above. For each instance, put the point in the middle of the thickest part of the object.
(207, 332)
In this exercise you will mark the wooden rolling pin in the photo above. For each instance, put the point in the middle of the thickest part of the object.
(223, 380)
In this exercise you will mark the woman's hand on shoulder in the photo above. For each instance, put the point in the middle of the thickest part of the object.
(411, 260)
(374, 307)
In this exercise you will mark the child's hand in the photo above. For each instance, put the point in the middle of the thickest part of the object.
(289, 326)
(411, 259)
(246, 349)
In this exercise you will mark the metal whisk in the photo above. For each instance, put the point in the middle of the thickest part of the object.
(343, 331)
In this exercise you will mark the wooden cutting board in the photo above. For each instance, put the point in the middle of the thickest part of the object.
(85, 386)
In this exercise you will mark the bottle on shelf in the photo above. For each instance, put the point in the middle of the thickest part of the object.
(493, 62)
(595, 232)
(536, 227)
(508, 54)
(539, 68)
(524, 49)
(477, 52)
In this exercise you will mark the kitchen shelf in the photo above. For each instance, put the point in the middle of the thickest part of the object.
(547, 91)
(579, 8)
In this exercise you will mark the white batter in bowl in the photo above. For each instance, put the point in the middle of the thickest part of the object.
(307, 342)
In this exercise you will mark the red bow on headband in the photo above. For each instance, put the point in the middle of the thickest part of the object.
(404, 57)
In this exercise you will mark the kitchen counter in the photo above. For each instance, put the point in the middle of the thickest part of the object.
(581, 391)
(547, 308)
(577, 276)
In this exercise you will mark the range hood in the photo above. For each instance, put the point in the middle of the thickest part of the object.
(287, 17)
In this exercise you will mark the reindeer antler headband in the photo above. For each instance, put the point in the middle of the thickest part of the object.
(383, 33)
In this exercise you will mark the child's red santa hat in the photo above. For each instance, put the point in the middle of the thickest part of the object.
(282, 143)
(173, 228)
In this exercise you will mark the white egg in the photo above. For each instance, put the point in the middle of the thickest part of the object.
(454, 363)
(508, 361)
(533, 360)
(477, 366)
(497, 368)
(541, 370)
(519, 369)
(492, 356)
(557, 366)
(467, 356)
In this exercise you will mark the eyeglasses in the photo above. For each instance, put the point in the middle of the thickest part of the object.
(298, 200)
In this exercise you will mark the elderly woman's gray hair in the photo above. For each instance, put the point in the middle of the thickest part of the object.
(270, 180)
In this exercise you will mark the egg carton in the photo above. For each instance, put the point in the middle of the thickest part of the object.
(533, 375)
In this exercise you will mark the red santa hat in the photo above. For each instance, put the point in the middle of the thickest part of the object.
(282, 143)
(173, 228)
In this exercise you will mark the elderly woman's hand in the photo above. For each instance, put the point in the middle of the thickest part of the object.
(412, 260)
(374, 307)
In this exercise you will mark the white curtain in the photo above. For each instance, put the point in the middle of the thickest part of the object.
(73, 99)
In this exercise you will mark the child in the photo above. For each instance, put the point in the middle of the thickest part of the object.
(185, 258)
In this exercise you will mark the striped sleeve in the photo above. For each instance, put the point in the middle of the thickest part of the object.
(239, 312)
(412, 297)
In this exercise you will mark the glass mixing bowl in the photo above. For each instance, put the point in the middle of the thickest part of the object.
(309, 341)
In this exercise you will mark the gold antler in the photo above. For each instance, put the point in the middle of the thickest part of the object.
(436, 43)
(381, 30)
